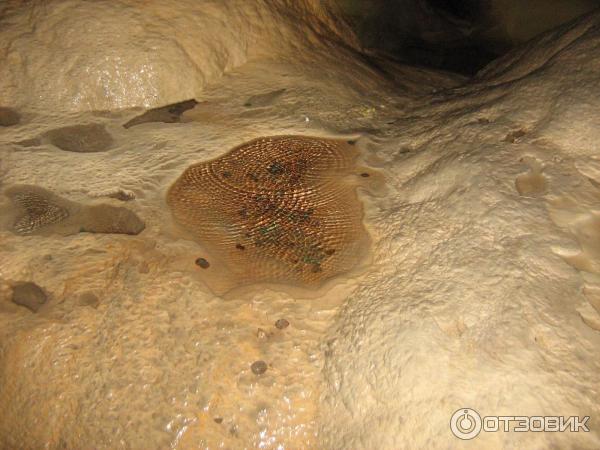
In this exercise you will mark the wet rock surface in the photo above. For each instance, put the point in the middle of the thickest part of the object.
(483, 255)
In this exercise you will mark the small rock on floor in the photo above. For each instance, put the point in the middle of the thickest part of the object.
(258, 367)
(282, 323)
(203, 263)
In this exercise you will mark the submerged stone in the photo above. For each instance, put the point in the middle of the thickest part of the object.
(203, 263)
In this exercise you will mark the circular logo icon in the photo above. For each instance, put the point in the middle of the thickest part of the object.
(465, 423)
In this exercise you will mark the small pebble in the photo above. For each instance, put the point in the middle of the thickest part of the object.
(282, 323)
(365, 175)
(203, 263)
(218, 419)
(240, 247)
(258, 367)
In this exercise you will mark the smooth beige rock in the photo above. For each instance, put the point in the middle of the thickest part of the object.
(74, 55)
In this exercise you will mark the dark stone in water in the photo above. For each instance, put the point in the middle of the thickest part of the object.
(203, 263)
(275, 169)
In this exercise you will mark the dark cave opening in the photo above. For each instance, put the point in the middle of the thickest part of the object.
(460, 36)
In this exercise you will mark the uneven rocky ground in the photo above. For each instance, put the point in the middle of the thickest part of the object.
(481, 287)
